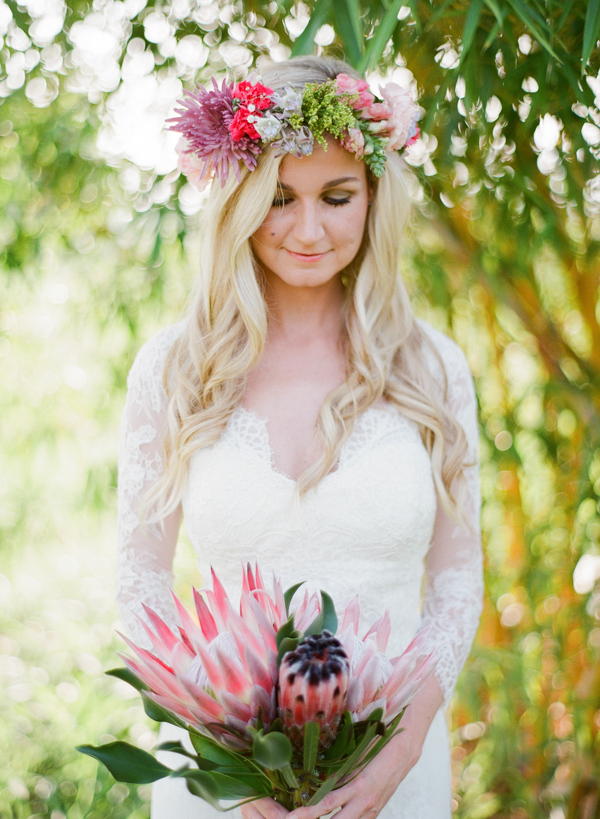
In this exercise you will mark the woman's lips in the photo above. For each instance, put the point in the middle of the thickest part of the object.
(307, 257)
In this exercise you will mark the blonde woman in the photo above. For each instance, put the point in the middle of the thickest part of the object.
(300, 415)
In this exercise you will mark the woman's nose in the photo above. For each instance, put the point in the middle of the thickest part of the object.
(308, 225)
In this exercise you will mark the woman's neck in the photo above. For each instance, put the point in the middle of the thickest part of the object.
(299, 312)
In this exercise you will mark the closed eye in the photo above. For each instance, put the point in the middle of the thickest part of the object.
(330, 200)
(336, 202)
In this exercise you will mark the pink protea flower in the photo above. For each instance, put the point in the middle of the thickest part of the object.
(313, 682)
(218, 673)
(205, 121)
(360, 88)
(403, 117)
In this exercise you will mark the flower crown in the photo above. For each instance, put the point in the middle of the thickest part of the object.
(222, 127)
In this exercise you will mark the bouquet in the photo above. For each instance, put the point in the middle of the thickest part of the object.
(275, 703)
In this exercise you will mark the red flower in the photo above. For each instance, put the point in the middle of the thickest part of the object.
(242, 125)
(250, 94)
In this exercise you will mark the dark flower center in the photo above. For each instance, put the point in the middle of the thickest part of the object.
(317, 658)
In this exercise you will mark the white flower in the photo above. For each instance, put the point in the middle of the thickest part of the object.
(290, 101)
(267, 127)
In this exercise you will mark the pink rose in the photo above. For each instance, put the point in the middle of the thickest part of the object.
(193, 167)
(403, 115)
(348, 85)
(354, 141)
(376, 111)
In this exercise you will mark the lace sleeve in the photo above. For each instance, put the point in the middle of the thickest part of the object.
(453, 595)
(144, 552)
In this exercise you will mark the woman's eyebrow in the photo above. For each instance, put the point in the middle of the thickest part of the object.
(333, 183)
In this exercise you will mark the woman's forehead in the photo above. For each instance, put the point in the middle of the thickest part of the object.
(322, 169)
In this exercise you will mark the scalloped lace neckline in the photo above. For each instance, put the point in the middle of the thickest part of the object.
(251, 429)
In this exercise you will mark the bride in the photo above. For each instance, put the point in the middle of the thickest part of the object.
(300, 414)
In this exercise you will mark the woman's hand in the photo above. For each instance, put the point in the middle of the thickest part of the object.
(365, 796)
(263, 809)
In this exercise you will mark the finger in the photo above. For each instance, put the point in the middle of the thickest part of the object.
(249, 811)
(264, 809)
(356, 809)
(332, 801)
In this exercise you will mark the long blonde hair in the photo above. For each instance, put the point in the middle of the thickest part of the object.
(226, 329)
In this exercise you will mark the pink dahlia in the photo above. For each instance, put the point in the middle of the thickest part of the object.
(403, 117)
(205, 121)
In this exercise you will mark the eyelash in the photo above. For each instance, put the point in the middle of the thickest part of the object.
(335, 203)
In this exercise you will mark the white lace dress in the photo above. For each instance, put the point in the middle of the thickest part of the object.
(371, 526)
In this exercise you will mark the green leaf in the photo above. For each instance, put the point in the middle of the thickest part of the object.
(289, 593)
(380, 38)
(213, 751)
(339, 744)
(285, 631)
(496, 11)
(272, 751)
(412, 4)
(275, 726)
(528, 17)
(177, 748)
(127, 675)
(240, 786)
(375, 716)
(346, 768)
(160, 714)
(127, 763)
(471, 23)
(591, 31)
(289, 644)
(495, 30)
(201, 784)
(311, 745)
(289, 777)
(306, 41)
(349, 27)
(330, 620)
(325, 619)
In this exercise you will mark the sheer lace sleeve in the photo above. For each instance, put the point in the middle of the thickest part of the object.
(144, 552)
(453, 595)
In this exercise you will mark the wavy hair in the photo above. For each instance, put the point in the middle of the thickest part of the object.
(226, 328)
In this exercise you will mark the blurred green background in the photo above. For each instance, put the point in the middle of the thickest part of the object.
(97, 251)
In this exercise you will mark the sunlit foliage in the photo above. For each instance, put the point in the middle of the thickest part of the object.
(97, 251)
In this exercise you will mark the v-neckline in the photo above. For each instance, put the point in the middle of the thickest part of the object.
(263, 423)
